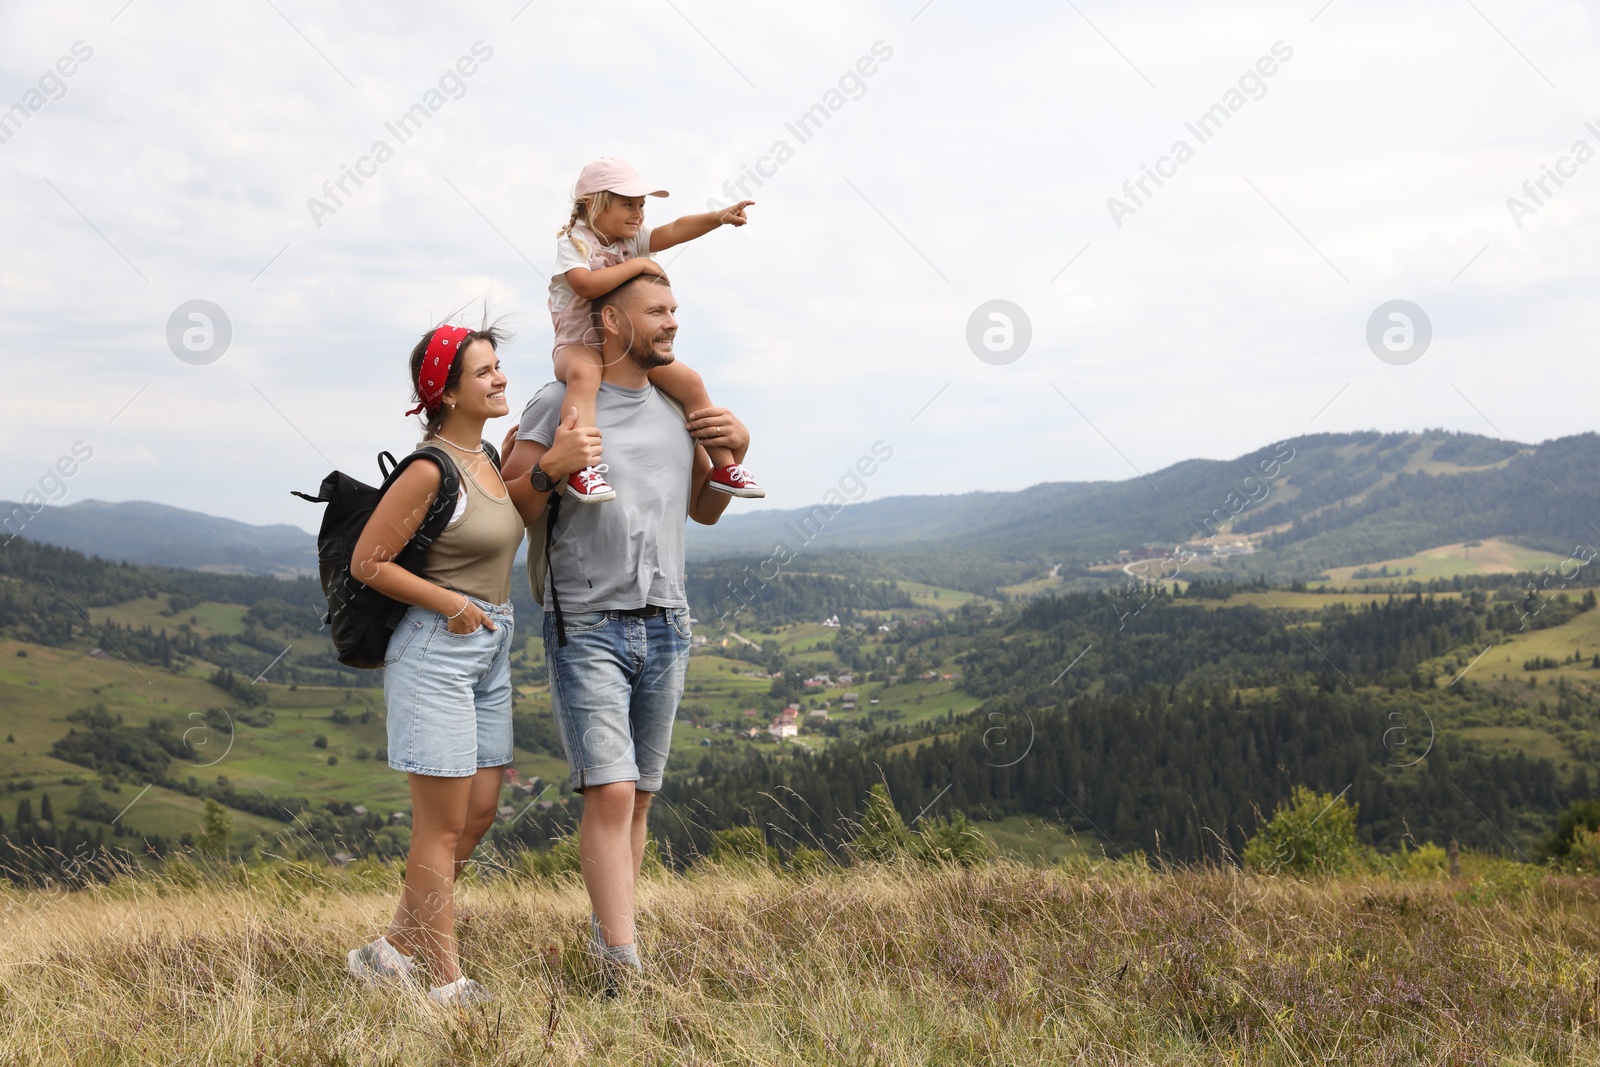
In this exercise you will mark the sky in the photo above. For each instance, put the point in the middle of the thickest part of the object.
(957, 155)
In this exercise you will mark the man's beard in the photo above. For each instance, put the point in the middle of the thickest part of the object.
(649, 358)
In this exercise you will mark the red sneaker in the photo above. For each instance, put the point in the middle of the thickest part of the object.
(735, 481)
(590, 486)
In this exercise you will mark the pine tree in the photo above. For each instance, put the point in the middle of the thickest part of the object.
(47, 813)
(217, 828)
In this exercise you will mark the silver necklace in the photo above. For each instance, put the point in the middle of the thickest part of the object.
(470, 451)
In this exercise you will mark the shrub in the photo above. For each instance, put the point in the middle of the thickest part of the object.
(1425, 863)
(884, 836)
(1583, 851)
(217, 828)
(92, 806)
(742, 846)
(1310, 834)
(550, 863)
(953, 840)
(1580, 815)
(881, 834)
(809, 861)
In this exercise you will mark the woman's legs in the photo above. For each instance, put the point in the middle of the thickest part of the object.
(684, 384)
(425, 919)
(483, 802)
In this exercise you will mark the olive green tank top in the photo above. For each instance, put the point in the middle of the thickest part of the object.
(475, 552)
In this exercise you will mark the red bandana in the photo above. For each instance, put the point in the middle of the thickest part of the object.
(435, 370)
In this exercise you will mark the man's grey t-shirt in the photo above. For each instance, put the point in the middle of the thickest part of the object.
(627, 552)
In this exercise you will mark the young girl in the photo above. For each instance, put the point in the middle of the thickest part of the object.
(604, 244)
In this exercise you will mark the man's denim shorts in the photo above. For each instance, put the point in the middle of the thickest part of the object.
(449, 695)
(614, 689)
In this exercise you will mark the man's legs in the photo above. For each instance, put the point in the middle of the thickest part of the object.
(615, 690)
(611, 849)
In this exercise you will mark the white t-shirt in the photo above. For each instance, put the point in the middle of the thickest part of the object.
(600, 256)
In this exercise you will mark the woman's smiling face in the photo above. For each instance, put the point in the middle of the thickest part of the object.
(482, 390)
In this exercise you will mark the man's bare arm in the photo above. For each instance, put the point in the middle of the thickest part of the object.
(715, 427)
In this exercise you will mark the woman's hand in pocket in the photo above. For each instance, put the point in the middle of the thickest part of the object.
(470, 620)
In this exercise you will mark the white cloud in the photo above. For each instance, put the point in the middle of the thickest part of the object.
(990, 140)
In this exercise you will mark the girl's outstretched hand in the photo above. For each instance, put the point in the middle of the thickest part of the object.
(734, 216)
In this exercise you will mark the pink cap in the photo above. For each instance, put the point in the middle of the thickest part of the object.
(613, 175)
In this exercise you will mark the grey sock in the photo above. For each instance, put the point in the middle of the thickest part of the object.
(627, 955)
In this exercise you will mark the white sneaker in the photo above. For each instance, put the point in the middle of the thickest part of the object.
(461, 993)
(379, 962)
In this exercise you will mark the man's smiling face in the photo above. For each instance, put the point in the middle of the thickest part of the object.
(649, 323)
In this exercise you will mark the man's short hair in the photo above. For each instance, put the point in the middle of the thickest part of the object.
(619, 297)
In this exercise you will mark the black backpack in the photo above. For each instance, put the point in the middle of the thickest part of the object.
(361, 618)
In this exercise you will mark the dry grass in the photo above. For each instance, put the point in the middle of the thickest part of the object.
(1006, 964)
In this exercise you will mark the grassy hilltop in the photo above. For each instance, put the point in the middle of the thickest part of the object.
(886, 964)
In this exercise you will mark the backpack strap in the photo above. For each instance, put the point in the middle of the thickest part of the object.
(552, 511)
(444, 504)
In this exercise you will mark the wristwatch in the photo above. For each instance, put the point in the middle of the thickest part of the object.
(542, 481)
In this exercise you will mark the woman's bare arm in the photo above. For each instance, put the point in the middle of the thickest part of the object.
(394, 522)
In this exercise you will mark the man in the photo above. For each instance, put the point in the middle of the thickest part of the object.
(618, 573)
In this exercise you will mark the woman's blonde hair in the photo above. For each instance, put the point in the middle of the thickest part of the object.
(584, 209)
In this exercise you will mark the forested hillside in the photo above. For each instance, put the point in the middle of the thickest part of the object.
(1170, 725)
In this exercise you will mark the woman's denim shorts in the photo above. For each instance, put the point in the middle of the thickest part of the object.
(449, 695)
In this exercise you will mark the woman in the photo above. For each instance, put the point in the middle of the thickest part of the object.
(447, 674)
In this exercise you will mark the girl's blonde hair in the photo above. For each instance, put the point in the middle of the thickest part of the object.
(584, 209)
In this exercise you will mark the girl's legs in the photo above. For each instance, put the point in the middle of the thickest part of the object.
(684, 384)
(578, 366)
(425, 919)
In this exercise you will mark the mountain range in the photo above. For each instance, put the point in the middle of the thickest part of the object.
(1302, 505)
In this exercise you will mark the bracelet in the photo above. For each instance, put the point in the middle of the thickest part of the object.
(465, 604)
